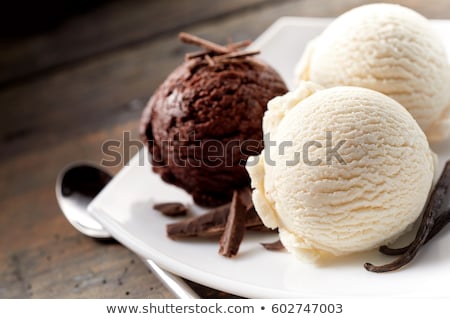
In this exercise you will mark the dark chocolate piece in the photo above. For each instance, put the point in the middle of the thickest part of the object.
(275, 246)
(261, 229)
(233, 55)
(209, 224)
(245, 194)
(435, 217)
(197, 54)
(213, 222)
(252, 218)
(171, 209)
(234, 229)
(238, 45)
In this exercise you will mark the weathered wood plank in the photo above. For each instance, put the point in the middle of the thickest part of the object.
(111, 25)
(41, 255)
(74, 267)
(27, 185)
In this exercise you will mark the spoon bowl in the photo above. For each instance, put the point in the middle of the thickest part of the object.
(76, 186)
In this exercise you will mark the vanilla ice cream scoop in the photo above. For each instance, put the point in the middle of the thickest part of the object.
(390, 49)
(344, 169)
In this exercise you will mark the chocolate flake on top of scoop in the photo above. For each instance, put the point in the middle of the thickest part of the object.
(435, 217)
(171, 209)
(213, 50)
(208, 45)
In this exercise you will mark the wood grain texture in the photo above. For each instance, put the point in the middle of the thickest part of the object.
(65, 113)
(108, 27)
(42, 255)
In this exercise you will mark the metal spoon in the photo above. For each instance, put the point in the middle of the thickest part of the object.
(76, 185)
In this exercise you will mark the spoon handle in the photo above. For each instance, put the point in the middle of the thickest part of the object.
(174, 283)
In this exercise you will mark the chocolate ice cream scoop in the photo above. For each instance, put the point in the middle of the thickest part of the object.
(205, 120)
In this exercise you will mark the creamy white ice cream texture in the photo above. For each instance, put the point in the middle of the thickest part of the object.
(335, 208)
(390, 49)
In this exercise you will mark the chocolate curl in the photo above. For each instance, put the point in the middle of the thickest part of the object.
(261, 229)
(207, 225)
(235, 55)
(239, 45)
(235, 227)
(209, 60)
(213, 50)
(212, 223)
(171, 209)
(245, 195)
(275, 246)
(232, 47)
(208, 45)
(435, 217)
(197, 54)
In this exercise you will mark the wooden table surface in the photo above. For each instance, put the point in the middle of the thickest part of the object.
(67, 87)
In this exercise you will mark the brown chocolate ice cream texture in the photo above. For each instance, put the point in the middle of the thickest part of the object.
(205, 120)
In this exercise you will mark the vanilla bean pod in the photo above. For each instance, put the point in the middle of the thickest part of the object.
(435, 217)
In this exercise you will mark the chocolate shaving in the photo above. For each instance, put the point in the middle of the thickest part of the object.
(275, 246)
(245, 194)
(239, 45)
(252, 219)
(209, 60)
(235, 55)
(229, 221)
(204, 53)
(171, 209)
(234, 229)
(257, 63)
(435, 217)
(196, 54)
(213, 52)
(261, 229)
(209, 224)
(208, 45)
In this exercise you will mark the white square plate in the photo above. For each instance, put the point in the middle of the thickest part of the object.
(124, 207)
